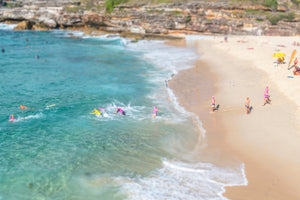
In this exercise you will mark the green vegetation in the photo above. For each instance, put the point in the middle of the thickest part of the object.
(110, 4)
(188, 19)
(174, 13)
(271, 4)
(296, 2)
(276, 17)
(72, 9)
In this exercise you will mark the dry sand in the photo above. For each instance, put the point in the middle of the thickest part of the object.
(267, 140)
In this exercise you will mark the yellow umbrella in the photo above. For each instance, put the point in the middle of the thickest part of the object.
(279, 55)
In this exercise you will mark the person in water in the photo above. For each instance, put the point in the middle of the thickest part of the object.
(11, 118)
(213, 103)
(96, 112)
(3, 50)
(120, 111)
(247, 105)
(23, 107)
(155, 110)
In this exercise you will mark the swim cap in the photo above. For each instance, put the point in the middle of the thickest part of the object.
(247, 98)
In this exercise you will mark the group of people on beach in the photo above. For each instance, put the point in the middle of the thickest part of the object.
(247, 103)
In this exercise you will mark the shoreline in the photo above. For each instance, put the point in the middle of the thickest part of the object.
(271, 166)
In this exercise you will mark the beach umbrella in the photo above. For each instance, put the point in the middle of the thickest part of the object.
(279, 55)
(292, 56)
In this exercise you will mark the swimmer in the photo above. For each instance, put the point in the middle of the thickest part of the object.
(23, 107)
(37, 57)
(155, 110)
(247, 106)
(120, 111)
(213, 103)
(11, 118)
(96, 112)
(3, 50)
(101, 108)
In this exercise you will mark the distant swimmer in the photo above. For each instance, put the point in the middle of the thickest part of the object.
(120, 111)
(37, 57)
(3, 50)
(11, 118)
(23, 107)
(26, 39)
(96, 112)
(50, 105)
(155, 110)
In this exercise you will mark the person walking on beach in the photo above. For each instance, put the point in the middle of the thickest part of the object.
(213, 103)
(247, 105)
(267, 96)
(155, 110)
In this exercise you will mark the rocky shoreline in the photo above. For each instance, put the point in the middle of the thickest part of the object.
(168, 19)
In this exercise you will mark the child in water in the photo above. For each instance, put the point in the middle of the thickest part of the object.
(155, 110)
(120, 111)
(11, 118)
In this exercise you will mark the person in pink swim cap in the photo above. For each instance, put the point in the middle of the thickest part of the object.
(155, 110)
(11, 118)
(213, 103)
(120, 111)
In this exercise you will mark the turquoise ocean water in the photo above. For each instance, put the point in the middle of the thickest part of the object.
(64, 152)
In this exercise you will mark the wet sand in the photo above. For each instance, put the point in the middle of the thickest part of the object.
(267, 140)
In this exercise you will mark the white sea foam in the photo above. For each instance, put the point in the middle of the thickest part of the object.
(36, 116)
(132, 112)
(7, 26)
(180, 180)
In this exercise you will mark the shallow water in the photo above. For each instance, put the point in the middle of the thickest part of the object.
(64, 152)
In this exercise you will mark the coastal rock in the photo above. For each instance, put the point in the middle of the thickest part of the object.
(24, 25)
(183, 18)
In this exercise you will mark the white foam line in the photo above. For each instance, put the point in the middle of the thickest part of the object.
(183, 168)
(7, 26)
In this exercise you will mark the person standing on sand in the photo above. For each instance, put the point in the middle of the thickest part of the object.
(247, 105)
(213, 103)
(267, 96)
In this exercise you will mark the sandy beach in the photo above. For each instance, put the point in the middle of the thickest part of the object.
(267, 140)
